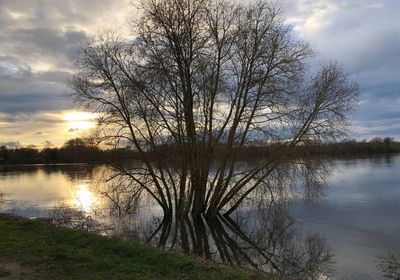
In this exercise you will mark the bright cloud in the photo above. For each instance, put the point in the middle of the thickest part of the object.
(41, 39)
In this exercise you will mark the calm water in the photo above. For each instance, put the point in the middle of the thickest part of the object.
(358, 216)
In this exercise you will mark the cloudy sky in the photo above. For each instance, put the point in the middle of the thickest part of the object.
(39, 40)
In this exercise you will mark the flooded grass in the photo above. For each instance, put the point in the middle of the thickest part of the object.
(35, 249)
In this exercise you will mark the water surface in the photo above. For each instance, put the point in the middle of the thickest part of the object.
(357, 217)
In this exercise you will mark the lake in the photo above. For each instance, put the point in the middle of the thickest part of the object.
(357, 217)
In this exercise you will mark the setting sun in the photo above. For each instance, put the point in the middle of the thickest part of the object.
(79, 120)
(262, 135)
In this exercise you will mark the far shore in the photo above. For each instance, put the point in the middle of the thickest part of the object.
(80, 151)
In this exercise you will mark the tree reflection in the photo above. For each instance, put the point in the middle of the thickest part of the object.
(64, 215)
(73, 172)
(264, 239)
(390, 266)
(289, 180)
(2, 199)
(260, 234)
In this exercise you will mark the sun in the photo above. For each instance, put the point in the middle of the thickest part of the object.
(79, 120)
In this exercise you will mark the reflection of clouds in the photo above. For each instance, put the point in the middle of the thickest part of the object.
(2, 199)
(359, 214)
(37, 188)
(356, 169)
(366, 182)
(358, 217)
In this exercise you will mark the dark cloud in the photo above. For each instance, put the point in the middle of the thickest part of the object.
(14, 119)
(40, 40)
(34, 102)
(60, 48)
(22, 90)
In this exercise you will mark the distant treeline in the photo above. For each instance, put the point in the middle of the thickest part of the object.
(80, 151)
(345, 148)
(74, 151)
(350, 148)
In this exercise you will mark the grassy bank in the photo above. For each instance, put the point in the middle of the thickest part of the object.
(36, 250)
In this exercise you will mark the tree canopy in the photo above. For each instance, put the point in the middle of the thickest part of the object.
(207, 77)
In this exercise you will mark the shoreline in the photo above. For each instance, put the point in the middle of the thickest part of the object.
(35, 249)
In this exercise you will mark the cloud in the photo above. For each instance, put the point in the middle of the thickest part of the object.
(52, 46)
(40, 41)
(365, 37)
(41, 38)
(23, 90)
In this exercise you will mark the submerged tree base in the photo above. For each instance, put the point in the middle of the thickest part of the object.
(36, 250)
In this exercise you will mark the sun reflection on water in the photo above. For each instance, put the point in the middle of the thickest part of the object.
(84, 198)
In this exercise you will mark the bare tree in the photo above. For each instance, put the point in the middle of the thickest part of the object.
(198, 80)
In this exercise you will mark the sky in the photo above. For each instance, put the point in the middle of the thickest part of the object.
(40, 39)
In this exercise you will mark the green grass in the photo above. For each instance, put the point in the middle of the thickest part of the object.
(37, 250)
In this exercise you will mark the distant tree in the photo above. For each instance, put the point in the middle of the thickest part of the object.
(47, 144)
(25, 155)
(388, 140)
(376, 140)
(4, 153)
(207, 77)
(75, 143)
(80, 150)
(50, 155)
